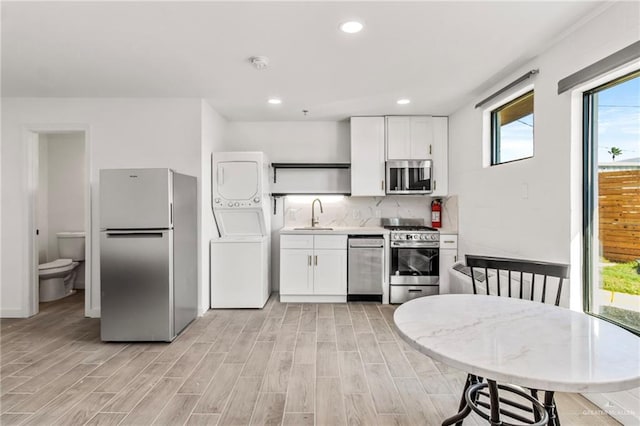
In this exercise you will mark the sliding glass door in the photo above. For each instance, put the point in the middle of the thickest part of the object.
(612, 201)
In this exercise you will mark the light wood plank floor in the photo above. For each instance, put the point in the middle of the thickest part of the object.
(289, 364)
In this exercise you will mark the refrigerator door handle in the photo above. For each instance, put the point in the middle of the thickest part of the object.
(134, 234)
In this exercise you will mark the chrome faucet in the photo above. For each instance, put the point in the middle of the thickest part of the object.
(315, 221)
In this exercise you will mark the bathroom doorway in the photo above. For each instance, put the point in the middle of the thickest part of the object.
(59, 207)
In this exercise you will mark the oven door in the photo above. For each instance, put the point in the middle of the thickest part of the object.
(414, 266)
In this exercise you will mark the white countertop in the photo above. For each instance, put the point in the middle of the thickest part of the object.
(340, 230)
(337, 230)
(448, 231)
(522, 342)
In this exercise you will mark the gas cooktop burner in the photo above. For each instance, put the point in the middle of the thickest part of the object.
(410, 228)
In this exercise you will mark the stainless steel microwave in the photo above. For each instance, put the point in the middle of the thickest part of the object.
(409, 177)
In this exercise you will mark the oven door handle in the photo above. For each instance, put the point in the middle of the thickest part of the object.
(401, 244)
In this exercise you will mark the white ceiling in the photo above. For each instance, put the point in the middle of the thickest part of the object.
(438, 54)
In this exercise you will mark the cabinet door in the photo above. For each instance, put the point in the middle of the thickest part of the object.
(296, 271)
(421, 138)
(398, 138)
(440, 156)
(447, 258)
(330, 272)
(367, 156)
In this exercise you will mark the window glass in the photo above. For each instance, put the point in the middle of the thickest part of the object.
(512, 130)
(612, 200)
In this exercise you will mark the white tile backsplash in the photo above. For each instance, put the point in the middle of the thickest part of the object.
(355, 211)
(450, 213)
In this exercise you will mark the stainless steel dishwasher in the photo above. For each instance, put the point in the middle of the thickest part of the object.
(366, 268)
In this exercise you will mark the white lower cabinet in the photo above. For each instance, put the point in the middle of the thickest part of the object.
(296, 274)
(448, 257)
(313, 275)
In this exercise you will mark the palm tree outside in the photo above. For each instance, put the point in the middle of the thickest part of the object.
(614, 152)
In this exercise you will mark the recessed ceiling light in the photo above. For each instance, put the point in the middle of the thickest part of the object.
(351, 27)
(275, 101)
(403, 101)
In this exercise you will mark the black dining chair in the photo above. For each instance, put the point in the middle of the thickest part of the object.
(524, 279)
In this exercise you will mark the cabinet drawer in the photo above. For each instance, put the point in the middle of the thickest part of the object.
(296, 241)
(330, 242)
(404, 293)
(448, 241)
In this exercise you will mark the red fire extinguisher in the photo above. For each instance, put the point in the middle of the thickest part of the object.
(436, 216)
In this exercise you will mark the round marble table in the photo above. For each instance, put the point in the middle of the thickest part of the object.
(524, 343)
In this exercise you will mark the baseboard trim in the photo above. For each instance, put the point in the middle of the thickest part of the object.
(12, 313)
(284, 298)
(93, 313)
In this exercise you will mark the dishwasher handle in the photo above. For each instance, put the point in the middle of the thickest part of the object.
(366, 243)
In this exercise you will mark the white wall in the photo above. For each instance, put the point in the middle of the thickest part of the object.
(525, 208)
(121, 133)
(496, 215)
(65, 186)
(292, 141)
(213, 126)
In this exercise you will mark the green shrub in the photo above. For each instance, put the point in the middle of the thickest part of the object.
(621, 278)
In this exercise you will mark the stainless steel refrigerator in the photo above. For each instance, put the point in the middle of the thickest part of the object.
(148, 254)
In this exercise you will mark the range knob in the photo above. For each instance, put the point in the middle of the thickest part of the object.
(435, 237)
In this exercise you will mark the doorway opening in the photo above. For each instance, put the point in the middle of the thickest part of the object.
(60, 217)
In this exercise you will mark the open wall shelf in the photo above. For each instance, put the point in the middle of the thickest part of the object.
(277, 166)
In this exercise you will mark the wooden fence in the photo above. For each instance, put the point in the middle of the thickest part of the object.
(619, 211)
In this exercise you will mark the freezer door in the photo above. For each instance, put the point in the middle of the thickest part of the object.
(136, 279)
(238, 180)
(135, 198)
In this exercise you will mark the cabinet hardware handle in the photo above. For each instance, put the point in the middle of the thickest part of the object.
(449, 241)
(434, 185)
(429, 149)
(309, 259)
(382, 185)
(316, 260)
(455, 258)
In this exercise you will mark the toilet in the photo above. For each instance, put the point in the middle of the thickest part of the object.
(57, 278)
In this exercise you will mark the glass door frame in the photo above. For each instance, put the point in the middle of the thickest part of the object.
(589, 188)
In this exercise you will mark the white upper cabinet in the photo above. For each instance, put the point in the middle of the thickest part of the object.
(398, 138)
(421, 140)
(367, 156)
(409, 138)
(440, 156)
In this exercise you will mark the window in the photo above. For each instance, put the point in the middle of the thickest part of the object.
(512, 130)
(611, 201)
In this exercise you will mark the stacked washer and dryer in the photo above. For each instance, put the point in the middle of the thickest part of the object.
(240, 258)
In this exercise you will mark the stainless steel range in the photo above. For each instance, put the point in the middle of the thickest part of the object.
(414, 259)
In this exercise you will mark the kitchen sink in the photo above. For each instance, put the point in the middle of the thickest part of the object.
(314, 228)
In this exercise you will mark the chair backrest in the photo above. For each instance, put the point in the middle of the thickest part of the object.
(515, 270)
